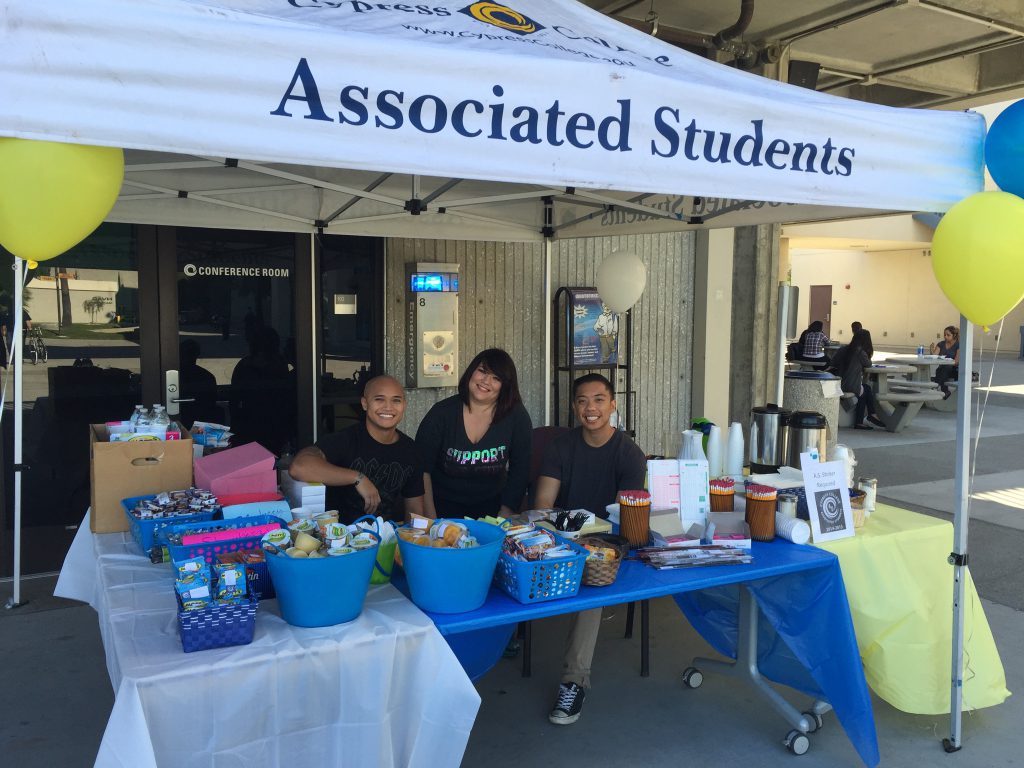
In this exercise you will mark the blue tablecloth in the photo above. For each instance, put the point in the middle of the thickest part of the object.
(807, 641)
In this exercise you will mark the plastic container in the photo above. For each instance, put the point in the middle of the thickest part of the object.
(443, 580)
(384, 563)
(540, 580)
(217, 626)
(145, 532)
(324, 591)
(210, 549)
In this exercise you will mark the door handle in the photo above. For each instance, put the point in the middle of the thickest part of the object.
(171, 393)
(182, 400)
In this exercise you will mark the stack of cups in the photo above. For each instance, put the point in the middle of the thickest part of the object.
(723, 494)
(734, 451)
(792, 529)
(714, 452)
(635, 517)
(760, 515)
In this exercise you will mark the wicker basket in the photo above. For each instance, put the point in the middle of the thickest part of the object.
(601, 573)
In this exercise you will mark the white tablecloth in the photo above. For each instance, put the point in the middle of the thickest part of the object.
(383, 690)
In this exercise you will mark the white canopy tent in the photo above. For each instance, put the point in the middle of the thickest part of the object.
(468, 120)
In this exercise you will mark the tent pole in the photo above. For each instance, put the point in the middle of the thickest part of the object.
(547, 331)
(961, 517)
(17, 356)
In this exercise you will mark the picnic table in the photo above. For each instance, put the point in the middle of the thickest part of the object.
(899, 399)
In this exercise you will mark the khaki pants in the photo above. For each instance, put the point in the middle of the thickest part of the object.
(579, 647)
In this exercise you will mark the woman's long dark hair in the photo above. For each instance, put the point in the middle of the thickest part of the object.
(862, 340)
(497, 362)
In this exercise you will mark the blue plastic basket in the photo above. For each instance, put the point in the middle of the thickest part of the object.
(540, 580)
(324, 591)
(444, 580)
(800, 492)
(210, 550)
(217, 626)
(146, 532)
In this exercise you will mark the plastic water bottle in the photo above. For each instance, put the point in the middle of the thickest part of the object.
(920, 349)
(160, 417)
(139, 411)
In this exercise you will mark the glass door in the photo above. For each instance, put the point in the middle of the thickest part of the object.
(82, 359)
(236, 348)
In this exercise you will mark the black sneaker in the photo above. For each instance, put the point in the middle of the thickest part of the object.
(569, 704)
(876, 421)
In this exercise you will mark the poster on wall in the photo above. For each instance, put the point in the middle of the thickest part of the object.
(595, 330)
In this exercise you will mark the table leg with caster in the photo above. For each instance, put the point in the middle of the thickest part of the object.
(745, 668)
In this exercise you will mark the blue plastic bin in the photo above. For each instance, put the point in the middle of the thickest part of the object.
(146, 532)
(324, 591)
(443, 580)
(209, 550)
(537, 581)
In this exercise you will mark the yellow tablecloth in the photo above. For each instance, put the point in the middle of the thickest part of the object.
(900, 589)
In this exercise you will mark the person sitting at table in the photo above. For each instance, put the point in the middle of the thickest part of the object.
(370, 468)
(585, 468)
(476, 445)
(812, 344)
(869, 347)
(850, 362)
(948, 347)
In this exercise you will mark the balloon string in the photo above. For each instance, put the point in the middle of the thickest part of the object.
(982, 404)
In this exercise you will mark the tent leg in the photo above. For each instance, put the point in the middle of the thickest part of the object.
(16, 354)
(549, 363)
(958, 557)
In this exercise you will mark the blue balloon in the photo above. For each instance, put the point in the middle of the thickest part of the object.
(1004, 149)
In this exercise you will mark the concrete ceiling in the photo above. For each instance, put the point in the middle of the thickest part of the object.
(909, 53)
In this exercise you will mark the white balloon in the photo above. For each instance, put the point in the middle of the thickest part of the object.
(621, 280)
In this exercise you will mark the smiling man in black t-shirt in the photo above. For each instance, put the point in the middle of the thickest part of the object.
(370, 468)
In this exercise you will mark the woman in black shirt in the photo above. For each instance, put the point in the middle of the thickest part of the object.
(476, 444)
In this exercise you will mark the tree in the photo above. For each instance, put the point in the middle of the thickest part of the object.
(94, 305)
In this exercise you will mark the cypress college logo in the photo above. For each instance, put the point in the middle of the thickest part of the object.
(503, 17)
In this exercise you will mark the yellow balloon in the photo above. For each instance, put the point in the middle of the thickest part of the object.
(978, 255)
(52, 196)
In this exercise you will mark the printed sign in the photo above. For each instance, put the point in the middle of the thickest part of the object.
(828, 498)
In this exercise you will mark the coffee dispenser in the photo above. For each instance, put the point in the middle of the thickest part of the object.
(769, 438)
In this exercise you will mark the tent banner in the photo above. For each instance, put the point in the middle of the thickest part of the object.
(537, 91)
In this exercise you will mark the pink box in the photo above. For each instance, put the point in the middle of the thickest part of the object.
(255, 482)
(248, 459)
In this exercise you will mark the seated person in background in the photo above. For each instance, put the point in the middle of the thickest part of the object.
(585, 468)
(948, 347)
(856, 326)
(370, 468)
(198, 385)
(849, 363)
(812, 344)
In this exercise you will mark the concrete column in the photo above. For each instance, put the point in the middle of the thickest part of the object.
(712, 325)
(753, 354)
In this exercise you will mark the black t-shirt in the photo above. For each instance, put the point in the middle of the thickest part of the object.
(395, 469)
(592, 477)
(476, 478)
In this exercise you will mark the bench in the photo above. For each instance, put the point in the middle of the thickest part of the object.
(847, 409)
(913, 384)
(949, 404)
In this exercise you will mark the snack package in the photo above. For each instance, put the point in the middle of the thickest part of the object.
(191, 570)
(448, 531)
(231, 581)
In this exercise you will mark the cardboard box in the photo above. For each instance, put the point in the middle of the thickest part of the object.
(248, 459)
(121, 470)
